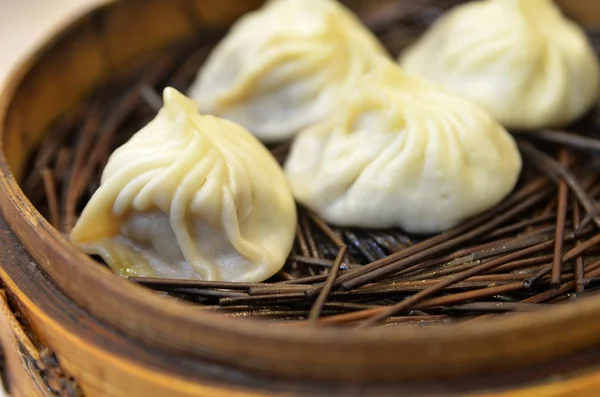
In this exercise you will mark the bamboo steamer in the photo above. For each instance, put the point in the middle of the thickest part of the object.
(72, 327)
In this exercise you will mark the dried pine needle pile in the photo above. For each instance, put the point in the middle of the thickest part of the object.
(539, 246)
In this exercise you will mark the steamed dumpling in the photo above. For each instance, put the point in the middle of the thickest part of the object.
(521, 59)
(285, 66)
(190, 196)
(403, 153)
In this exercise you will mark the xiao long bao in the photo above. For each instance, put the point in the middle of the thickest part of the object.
(521, 59)
(403, 153)
(190, 196)
(285, 66)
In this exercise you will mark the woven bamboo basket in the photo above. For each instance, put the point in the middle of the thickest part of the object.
(69, 327)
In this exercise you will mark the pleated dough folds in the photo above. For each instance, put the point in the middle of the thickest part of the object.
(190, 196)
(285, 66)
(521, 59)
(403, 153)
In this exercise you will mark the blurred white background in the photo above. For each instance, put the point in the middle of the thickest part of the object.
(25, 23)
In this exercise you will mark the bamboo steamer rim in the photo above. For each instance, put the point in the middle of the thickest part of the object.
(338, 354)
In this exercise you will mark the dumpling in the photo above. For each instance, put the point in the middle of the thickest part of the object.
(521, 59)
(285, 66)
(403, 153)
(190, 196)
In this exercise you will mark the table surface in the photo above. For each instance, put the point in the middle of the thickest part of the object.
(23, 26)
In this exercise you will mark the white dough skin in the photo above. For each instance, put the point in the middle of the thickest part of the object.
(403, 153)
(190, 196)
(521, 59)
(285, 67)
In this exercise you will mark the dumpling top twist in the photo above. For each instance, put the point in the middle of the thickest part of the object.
(521, 59)
(285, 66)
(403, 153)
(190, 196)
